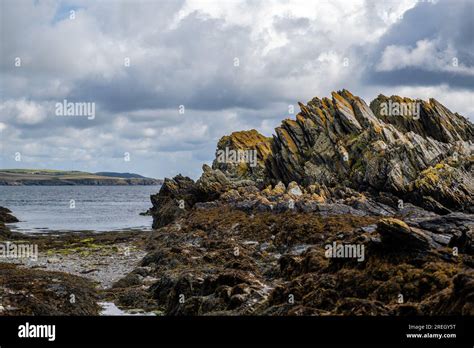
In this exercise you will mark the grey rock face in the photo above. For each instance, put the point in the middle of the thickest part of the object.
(339, 150)
(341, 141)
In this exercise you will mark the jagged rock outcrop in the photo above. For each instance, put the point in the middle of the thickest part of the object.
(432, 119)
(423, 156)
(179, 194)
(242, 155)
(175, 196)
(396, 188)
(338, 144)
(337, 141)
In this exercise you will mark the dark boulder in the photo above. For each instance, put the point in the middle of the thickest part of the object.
(6, 216)
(175, 197)
(397, 235)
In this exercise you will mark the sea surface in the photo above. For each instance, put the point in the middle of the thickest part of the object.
(78, 208)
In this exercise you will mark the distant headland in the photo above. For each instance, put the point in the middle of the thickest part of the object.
(50, 177)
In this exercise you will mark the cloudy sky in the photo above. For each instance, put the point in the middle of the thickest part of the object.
(169, 78)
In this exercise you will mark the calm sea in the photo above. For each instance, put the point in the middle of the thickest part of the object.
(97, 208)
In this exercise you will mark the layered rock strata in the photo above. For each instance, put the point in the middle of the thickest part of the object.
(390, 183)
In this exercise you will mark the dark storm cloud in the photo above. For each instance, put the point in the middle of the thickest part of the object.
(196, 69)
(419, 77)
(446, 30)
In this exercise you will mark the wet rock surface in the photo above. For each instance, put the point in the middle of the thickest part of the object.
(66, 273)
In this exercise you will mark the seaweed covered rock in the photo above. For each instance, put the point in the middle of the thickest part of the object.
(458, 299)
(224, 261)
(37, 292)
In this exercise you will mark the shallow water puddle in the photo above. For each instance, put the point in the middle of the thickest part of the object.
(110, 309)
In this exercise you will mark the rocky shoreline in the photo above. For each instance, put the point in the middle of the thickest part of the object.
(345, 211)
(223, 261)
(69, 273)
